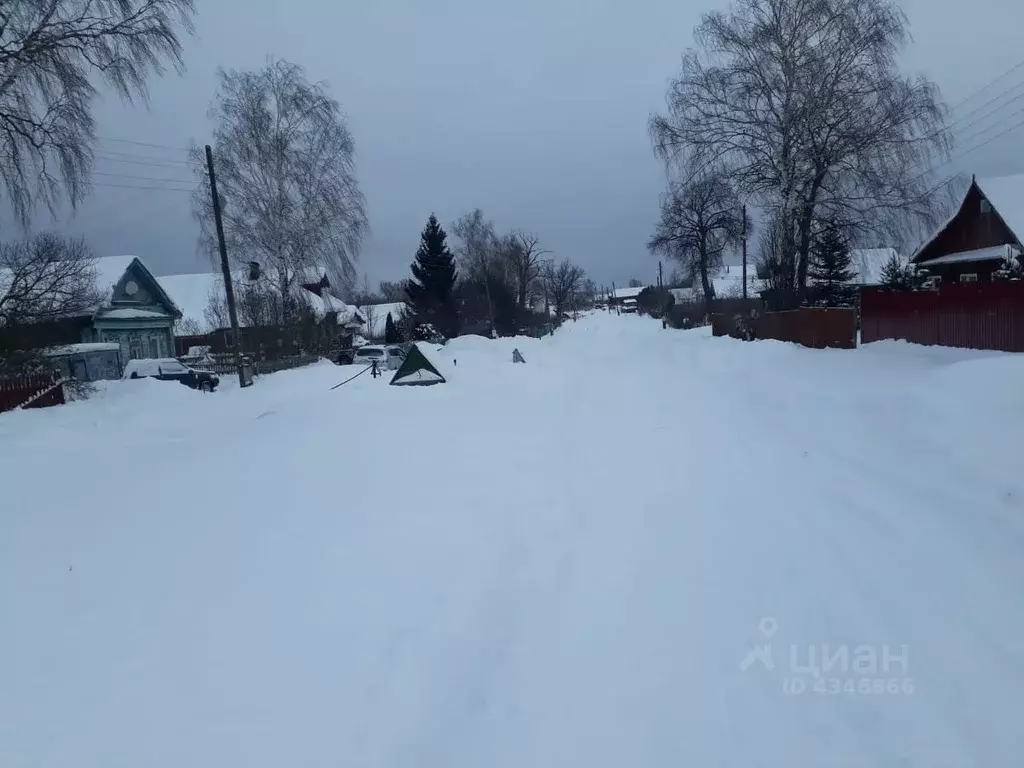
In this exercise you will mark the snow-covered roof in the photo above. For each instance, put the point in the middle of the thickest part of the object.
(979, 254)
(192, 293)
(729, 282)
(682, 294)
(1005, 193)
(627, 293)
(108, 270)
(133, 313)
(868, 264)
(83, 348)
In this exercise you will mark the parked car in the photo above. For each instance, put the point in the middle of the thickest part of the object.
(169, 369)
(388, 356)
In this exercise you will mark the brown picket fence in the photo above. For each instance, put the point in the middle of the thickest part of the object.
(30, 391)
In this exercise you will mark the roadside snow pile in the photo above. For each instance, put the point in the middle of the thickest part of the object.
(644, 547)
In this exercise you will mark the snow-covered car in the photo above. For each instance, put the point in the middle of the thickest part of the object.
(169, 369)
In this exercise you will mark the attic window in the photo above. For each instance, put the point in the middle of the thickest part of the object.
(969, 277)
(986, 207)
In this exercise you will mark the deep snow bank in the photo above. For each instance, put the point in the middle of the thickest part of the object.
(560, 563)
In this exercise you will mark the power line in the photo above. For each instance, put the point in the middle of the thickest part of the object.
(142, 178)
(990, 101)
(976, 147)
(998, 124)
(988, 85)
(151, 163)
(111, 154)
(143, 144)
(991, 112)
(133, 186)
(989, 141)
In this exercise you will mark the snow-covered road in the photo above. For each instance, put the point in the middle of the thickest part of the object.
(561, 563)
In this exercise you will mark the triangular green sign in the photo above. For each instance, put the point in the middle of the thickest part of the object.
(416, 370)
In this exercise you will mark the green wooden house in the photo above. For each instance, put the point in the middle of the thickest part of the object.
(136, 312)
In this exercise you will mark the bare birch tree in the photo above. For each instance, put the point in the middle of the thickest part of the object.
(563, 280)
(803, 102)
(700, 218)
(524, 259)
(392, 291)
(477, 249)
(52, 52)
(285, 163)
(46, 278)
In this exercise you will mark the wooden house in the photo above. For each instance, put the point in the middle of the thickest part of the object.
(983, 232)
(134, 312)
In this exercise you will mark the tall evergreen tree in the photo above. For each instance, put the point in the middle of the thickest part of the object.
(391, 333)
(831, 269)
(430, 292)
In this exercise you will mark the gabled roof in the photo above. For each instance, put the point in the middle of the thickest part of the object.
(110, 270)
(1005, 193)
(626, 293)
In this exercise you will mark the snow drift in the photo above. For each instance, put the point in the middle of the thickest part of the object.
(567, 562)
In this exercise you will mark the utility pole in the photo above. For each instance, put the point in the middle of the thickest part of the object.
(744, 251)
(228, 287)
(616, 303)
(661, 283)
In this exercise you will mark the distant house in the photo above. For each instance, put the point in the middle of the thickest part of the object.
(193, 294)
(983, 232)
(683, 295)
(620, 296)
(134, 312)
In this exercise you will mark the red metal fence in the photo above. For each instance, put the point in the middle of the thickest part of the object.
(974, 315)
(810, 326)
(35, 391)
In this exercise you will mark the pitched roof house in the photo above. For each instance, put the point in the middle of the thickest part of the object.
(134, 312)
(193, 292)
(983, 232)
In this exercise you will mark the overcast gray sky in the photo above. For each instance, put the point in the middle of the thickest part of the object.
(533, 110)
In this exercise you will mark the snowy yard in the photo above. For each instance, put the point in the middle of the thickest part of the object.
(563, 563)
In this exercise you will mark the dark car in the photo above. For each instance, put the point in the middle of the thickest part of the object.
(169, 369)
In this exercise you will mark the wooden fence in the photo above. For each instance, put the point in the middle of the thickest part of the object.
(972, 315)
(267, 342)
(32, 391)
(810, 326)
